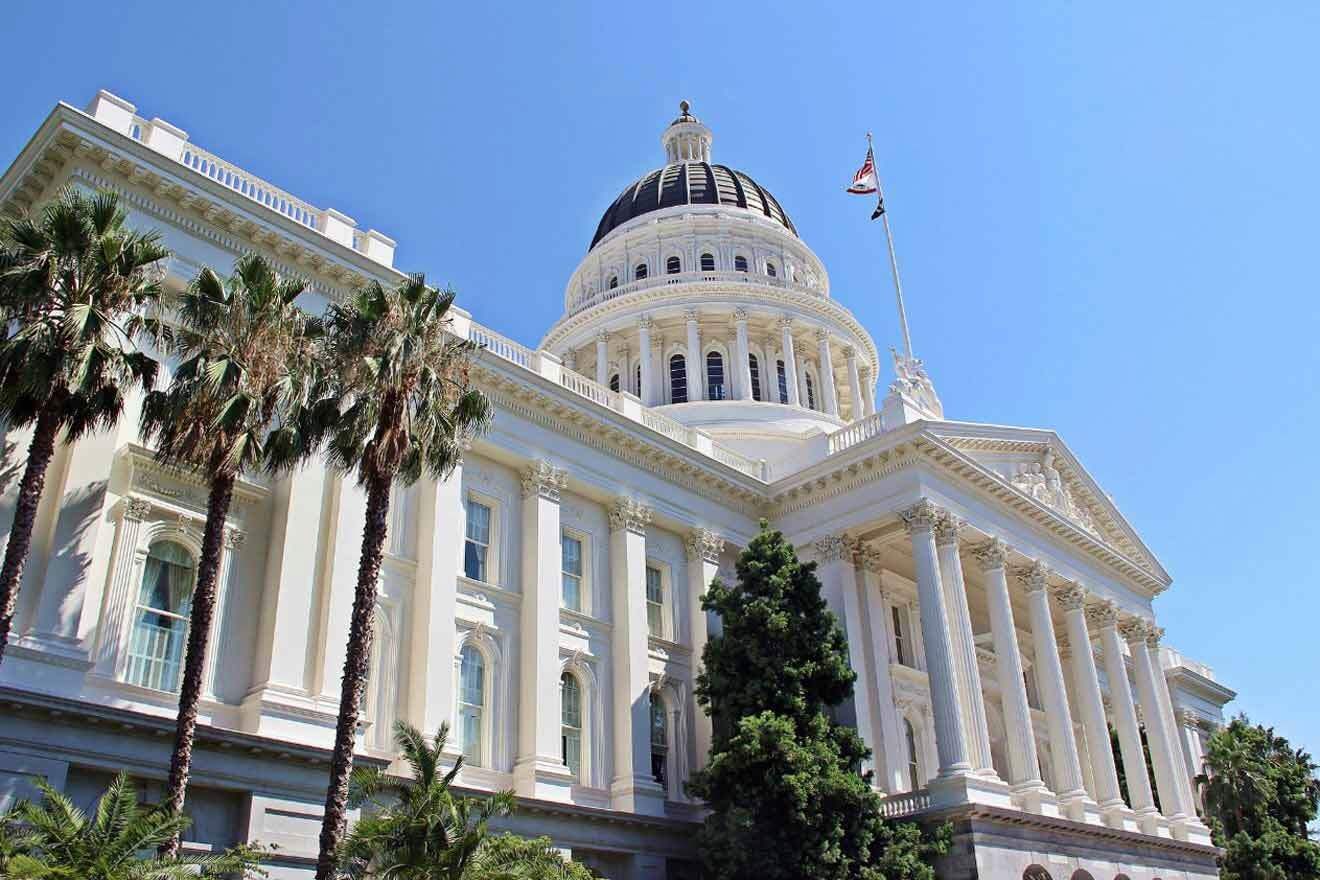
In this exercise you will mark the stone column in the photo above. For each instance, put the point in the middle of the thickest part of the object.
(345, 555)
(854, 382)
(1163, 750)
(963, 644)
(868, 393)
(743, 368)
(233, 541)
(790, 360)
(920, 520)
(890, 752)
(440, 537)
(125, 582)
(1190, 726)
(696, 364)
(1104, 617)
(1024, 765)
(633, 789)
(838, 578)
(603, 358)
(569, 359)
(703, 564)
(1054, 694)
(538, 769)
(1090, 704)
(645, 356)
(830, 400)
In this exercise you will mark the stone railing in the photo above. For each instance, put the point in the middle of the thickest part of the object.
(856, 432)
(907, 803)
(587, 301)
(172, 142)
(549, 366)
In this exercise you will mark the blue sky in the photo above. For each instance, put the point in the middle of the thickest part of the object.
(1105, 213)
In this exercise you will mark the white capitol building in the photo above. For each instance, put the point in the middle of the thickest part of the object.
(999, 609)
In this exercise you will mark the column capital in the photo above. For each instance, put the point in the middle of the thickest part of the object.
(543, 479)
(833, 548)
(921, 516)
(137, 509)
(947, 527)
(602, 336)
(1189, 718)
(785, 322)
(645, 323)
(703, 544)
(1065, 647)
(822, 334)
(1035, 577)
(631, 515)
(872, 559)
(1135, 630)
(691, 315)
(740, 315)
(991, 554)
(234, 538)
(1102, 614)
(849, 352)
(1071, 596)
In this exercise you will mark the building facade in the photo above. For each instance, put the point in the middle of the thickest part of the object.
(543, 600)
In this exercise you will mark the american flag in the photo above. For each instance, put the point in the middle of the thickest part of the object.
(865, 182)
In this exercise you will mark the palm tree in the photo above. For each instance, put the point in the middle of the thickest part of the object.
(418, 829)
(238, 402)
(54, 840)
(78, 291)
(407, 407)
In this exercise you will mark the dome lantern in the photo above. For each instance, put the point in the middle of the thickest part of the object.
(686, 139)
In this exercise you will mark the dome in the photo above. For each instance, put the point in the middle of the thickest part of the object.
(690, 183)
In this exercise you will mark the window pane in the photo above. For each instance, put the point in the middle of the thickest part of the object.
(472, 677)
(678, 379)
(673, 265)
(474, 561)
(570, 702)
(160, 626)
(655, 597)
(708, 262)
(572, 746)
(478, 522)
(571, 581)
(572, 554)
(470, 731)
(754, 367)
(657, 720)
(571, 594)
(714, 376)
(783, 382)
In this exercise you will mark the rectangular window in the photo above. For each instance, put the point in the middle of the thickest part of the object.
(655, 602)
(570, 551)
(902, 640)
(476, 549)
(783, 382)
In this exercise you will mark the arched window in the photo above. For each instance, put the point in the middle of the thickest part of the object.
(471, 703)
(659, 741)
(740, 263)
(570, 723)
(640, 272)
(914, 767)
(770, 270)
(614, 382)
(782, 375)
(811, 393)
(708, 262)
(614, 281)
(714, 376)
(1079, 874)
(637, 378)
(754, 367)
(160, 621)
(677, 379)
(1036, 872)
(673, 265)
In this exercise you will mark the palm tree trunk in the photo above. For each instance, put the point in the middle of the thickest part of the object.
(194, 658)
(356, 665)
(30, 487)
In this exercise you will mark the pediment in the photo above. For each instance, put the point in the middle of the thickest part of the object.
(1040, 466)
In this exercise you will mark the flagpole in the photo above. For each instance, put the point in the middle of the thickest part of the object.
(893, 259)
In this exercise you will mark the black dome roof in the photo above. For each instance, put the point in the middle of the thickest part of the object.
(690, 183)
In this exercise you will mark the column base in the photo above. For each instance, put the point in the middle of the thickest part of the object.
(637, 794)
(1190, 829)
(1148, 821)
(1033, 797)
(1078, 806)
(545, 779)
(969, 788)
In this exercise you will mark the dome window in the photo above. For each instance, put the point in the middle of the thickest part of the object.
(708, 262)
(614, 382)
(754, 368)
(640, 272)
(770, 270)
(811, 393)
(714, 376)
(678, 379)
(783, 381)
(614, 281)
(673, 265)
(740, 263)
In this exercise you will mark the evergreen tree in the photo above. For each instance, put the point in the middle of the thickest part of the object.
(783, 784)
(1260, 795)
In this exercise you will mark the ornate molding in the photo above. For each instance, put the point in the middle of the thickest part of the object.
(1071, 597)
(704, 545)
(630, 514)
(1043, 482)
(691, 315)
(822, 334)
(947, 527)
(991, 554)
(1135, 630)
(785, 322)
(921, 516)
(137, 509)
(740, 315)
(833, 548)
(234, 538)
(645, 323)
(1102, 614)
(872, 559)
(543, 479)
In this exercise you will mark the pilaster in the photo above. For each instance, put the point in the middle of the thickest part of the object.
(703, 564)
